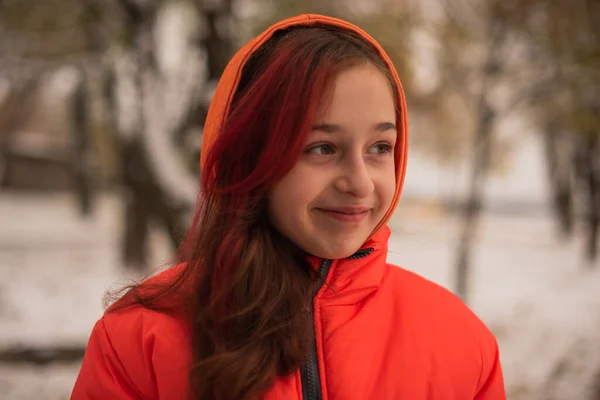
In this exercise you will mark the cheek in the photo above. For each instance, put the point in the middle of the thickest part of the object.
(295, 193)
(387, 187)
(287, 197)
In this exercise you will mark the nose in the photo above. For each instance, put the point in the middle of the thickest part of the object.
(354, 177)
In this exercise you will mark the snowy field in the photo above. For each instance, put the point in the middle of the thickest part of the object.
(537, 296)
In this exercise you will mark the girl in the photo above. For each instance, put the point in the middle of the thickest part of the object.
(284, 291)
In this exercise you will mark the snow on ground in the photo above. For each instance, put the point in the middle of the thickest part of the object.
(534, 293)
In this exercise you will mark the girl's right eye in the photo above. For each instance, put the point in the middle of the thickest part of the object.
(320, 150)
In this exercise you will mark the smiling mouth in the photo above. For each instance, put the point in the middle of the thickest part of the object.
(348, 214)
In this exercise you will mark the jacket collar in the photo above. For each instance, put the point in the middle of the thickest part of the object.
(352, 279)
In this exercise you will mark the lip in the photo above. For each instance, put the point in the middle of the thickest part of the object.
(353, 214)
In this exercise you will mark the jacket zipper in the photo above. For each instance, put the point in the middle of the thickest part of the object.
(361, 253)
(309, 373)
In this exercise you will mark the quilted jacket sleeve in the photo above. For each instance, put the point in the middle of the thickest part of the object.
(102, 375)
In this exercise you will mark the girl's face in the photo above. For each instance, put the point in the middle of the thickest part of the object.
(344, 182)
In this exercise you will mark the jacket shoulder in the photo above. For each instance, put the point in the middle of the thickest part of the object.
(134, 350)
(451, 326)
(433, 300)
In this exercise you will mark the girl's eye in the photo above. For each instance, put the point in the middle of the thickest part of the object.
(327, 149)
(321, 150)
(381, 148)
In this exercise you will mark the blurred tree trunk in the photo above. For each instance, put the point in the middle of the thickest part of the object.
(134, 173)
(589, 175)
(13, 112)
(565, 35)
(482, 152)
(218, 41)
(156, 94)
(82, 150)
(558, 163)
(145, 199)
(471, 210)
(593, 184)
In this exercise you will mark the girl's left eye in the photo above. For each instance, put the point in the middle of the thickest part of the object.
(381, 148)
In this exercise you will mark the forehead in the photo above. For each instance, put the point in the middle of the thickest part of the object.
(360, 92)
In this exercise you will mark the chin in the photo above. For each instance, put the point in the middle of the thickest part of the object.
(333, 253)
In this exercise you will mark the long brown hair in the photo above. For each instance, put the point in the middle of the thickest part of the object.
(246, 290)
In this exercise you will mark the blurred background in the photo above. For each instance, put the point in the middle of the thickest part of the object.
(101, 110)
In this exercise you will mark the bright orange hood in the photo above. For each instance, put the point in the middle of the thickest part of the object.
(229, 80)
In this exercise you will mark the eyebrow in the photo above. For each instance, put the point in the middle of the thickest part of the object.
(333, 128)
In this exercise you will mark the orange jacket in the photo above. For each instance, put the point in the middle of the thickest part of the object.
(381, 332)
